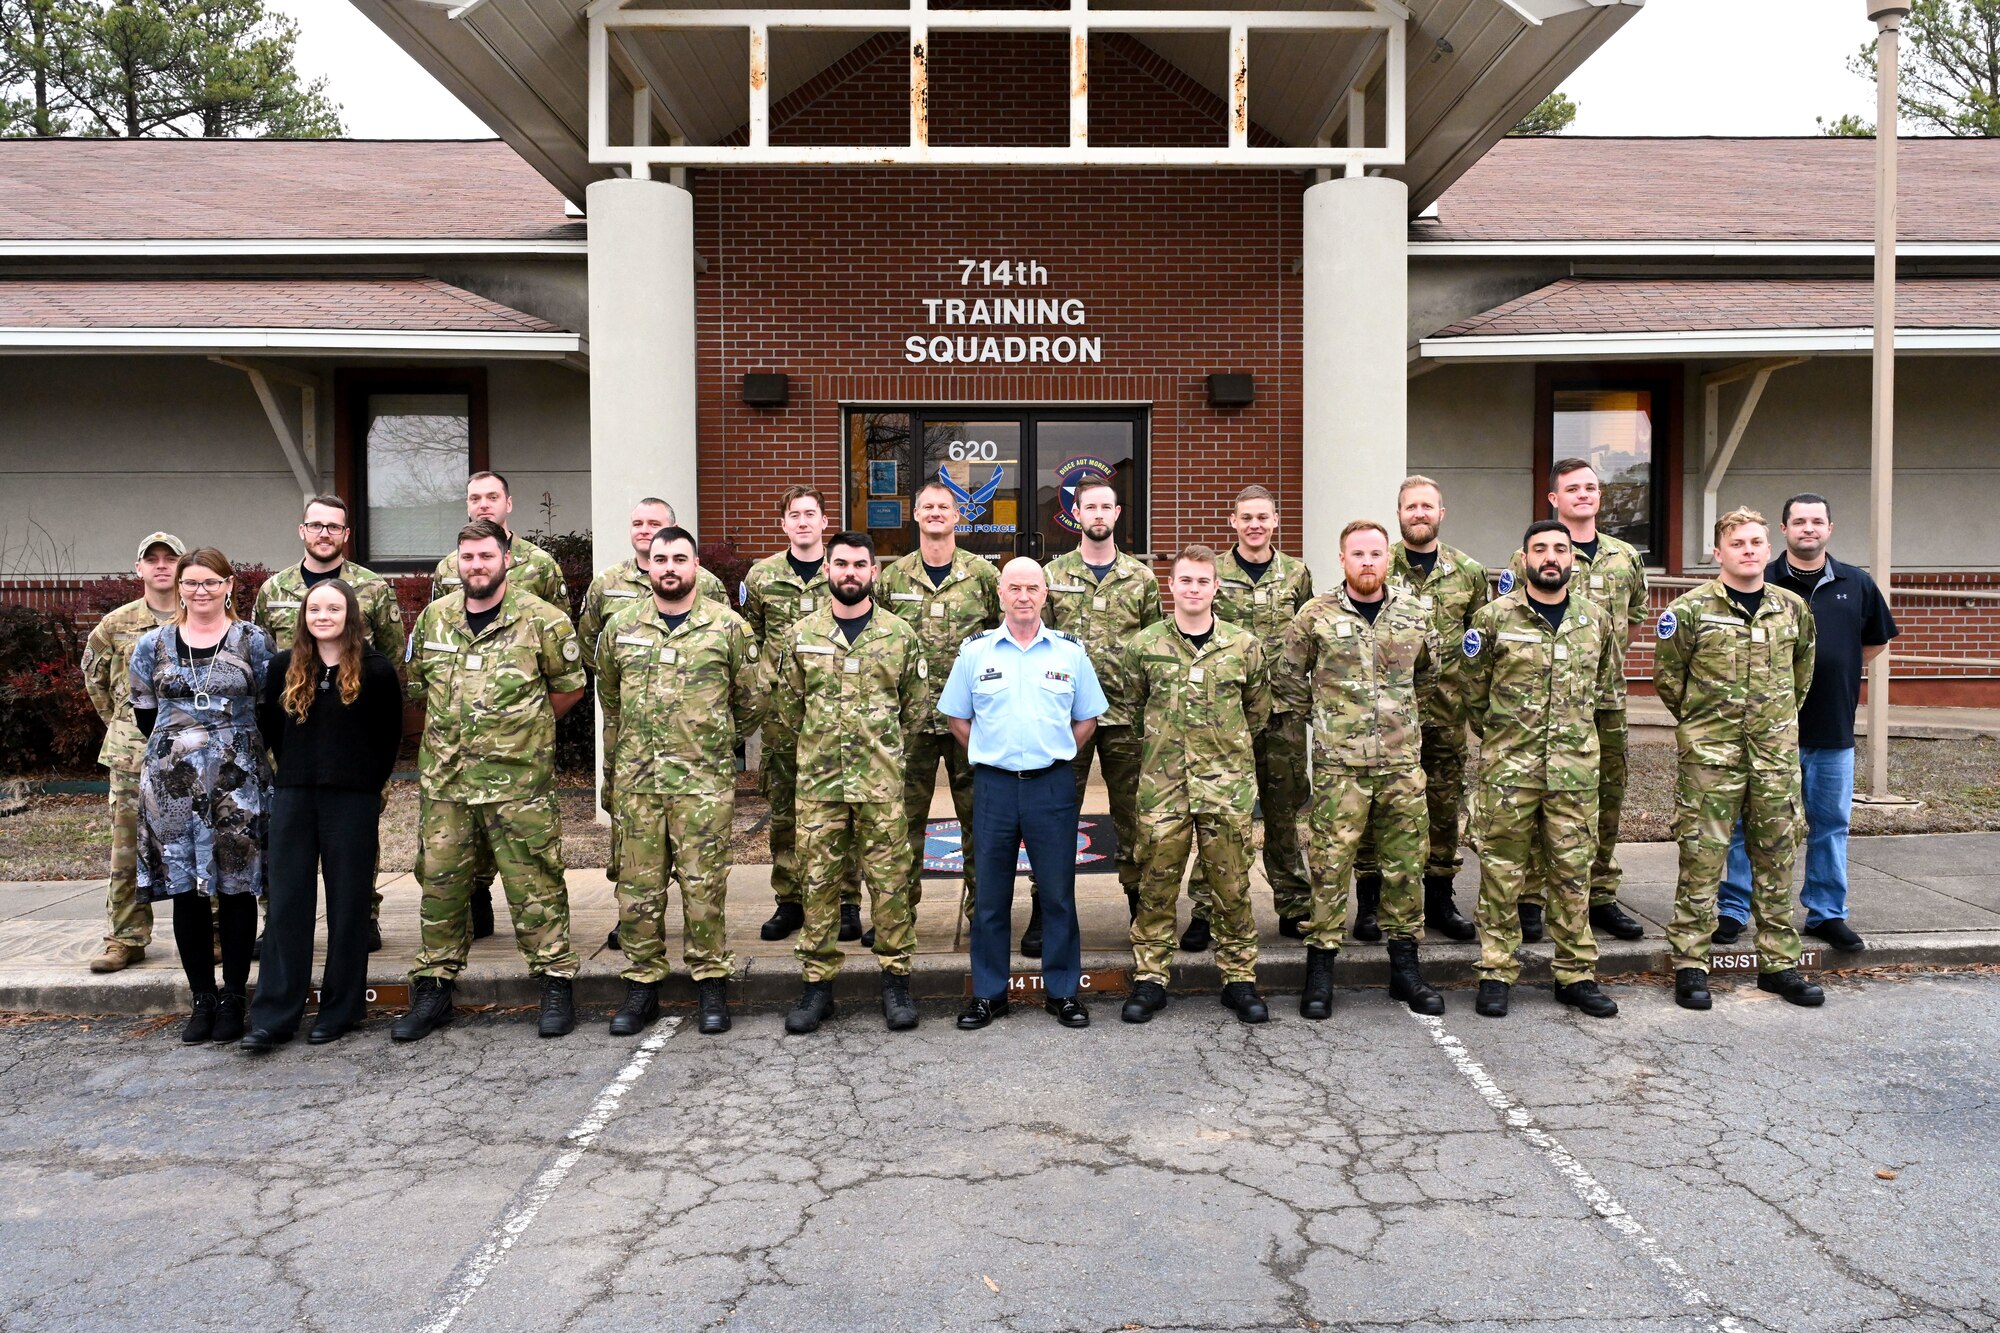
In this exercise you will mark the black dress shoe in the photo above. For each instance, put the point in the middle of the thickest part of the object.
(320, 1036)
(1728, 930)
(1492, 1001)
(788, 918)
(259, 1041)
(1069, 1011)
(1586, 996)
(1691, 988)
(1616, 921)
(1197, 938)
(1031, 938)
(1839, 934)
(1292, 927)
(1147, 998)
(1789, 985)
(978, 1013)
(1531, 923)
(1242, 997)
(482, 912)
(850, 922)
(374, 937)
(611, 941)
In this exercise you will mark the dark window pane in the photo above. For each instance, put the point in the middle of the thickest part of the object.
(419, 452)
(878, 480)
(1069, 452)
(1612, 430)
(981, 460)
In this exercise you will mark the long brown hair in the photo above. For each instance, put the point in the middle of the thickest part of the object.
(300, 685)
(208, 558)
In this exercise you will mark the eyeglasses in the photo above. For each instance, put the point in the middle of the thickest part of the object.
(324, 529)
(201, 585)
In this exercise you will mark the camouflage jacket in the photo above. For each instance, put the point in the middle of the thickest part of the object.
(283, 597)
(1265, 607)
(1451, 592)
(1196, 712)
(1532, 693)
(620, 587)
(1735, 686)
(533, 571)
(107, 662)
(943, 617)
(1357, 682)
(849, 704)
(1616, 581)
(1103, 616)
(675, 702)
(774, 600)
(489, 728)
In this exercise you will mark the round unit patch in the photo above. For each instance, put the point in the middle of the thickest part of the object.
(570, 651)
(1668, 624)
(1473, 643)
(1506, 581)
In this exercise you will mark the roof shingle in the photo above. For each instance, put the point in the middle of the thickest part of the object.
(1701, 305)
(389, 303)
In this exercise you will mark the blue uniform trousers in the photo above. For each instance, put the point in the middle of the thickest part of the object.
(1038, 809)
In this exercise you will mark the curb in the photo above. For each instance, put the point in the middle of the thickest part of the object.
(774, 983)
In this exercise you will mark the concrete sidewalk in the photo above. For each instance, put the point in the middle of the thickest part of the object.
(1932, 899)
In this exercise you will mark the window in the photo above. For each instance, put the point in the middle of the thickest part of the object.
(988, 456)
(1626, 423)
(406, 442)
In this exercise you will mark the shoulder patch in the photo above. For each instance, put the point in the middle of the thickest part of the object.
(1668, 624)
(743, 592)
(1506, 581)
(1473, 643)
(570, 650)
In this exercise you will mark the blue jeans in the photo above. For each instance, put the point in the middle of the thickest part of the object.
(1829, 796)
(1007, 811)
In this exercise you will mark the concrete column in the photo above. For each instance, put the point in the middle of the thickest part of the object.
(642, 356)
(1356, 333)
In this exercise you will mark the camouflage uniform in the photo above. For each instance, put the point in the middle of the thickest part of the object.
(1266, 608)
(1454, 589)
(1103, 616)
(1197, 712)
(850, 705)
(1357, 682)
(1532, 694)
(621, 586)
(944, 617)
(773, 601)
(532, 570)
(674, 703)
(1616, 581)
(1734, 687)
(487, 774)
(107, 677)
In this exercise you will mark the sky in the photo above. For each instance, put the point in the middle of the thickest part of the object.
(1678, 67)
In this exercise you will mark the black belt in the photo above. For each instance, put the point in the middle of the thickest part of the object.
(1024, 774)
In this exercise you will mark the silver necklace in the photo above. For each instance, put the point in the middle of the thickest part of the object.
(203, 701)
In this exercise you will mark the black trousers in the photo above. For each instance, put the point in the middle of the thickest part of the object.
(315, 830)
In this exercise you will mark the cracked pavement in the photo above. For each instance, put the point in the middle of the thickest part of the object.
(1189, 1174)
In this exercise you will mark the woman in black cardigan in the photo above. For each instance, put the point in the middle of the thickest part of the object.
(332, 713)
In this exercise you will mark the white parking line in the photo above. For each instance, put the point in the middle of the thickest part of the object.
(1584, 1185)
(528, 1205)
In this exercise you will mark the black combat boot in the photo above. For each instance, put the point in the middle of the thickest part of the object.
(1441, 913)
(1147, 998)
(1728, 930)
(850, 922)
(1132, 902)
(1586, 996)
(1242, 997)
(1788, 984)
(711, 1006)
(1691, 988)
(788, 918)
(374, 937)
(1531, 923)
(1292, 927)
(868, 939)
(641, 1007)
(1406, 981)
(430, 1008)
(1492, 1001)
(1031, 938)
(612, 943)
(1615, 921)
(815, 1006)
(558, 1008)
(1197, 938)
(229, 1010)
(1316, 1000)
(200, 1026)
(482, 911)
(1367, 901)
(899, 1011)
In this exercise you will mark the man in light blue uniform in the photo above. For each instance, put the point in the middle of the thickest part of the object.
(1022, 698)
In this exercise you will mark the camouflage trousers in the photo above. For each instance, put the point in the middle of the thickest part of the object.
(1443, 757)
(131, 919)
(1281, 790)
(1221, 843)
(685, 838)
(778, 779)
(524, 839)
(1117, 751)
(921, 752)
(1605, 874)
(871, 835)
(1707, 803)
(1388, 804)
(1514, 828)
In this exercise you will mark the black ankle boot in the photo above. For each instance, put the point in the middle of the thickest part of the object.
(1531, 923)
(1249, 1006)
(815, 1006)
(430, 1009)
(1492, 1001)
(1406, 981)
(482, 912)
(1367, 902)
(1132, 902)
(558, 1017)
(1147, 998)
(1441, 913)
(200, 1026)
(850, 922)
(1197, 938)
(1316, 1000)
(1691, 988)
(712, 1006)
(788, 918)
(229, 1010)
(641, 1007)
(899, 1011)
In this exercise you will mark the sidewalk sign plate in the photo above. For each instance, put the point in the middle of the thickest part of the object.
(1811, 959)
(1026, 986)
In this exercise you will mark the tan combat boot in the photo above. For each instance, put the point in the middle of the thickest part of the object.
(117, 957)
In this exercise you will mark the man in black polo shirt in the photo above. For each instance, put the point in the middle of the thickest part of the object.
(1854, 624)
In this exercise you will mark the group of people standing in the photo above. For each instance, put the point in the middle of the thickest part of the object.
(865, 678)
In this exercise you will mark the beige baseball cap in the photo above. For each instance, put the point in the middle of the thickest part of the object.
(166, 539)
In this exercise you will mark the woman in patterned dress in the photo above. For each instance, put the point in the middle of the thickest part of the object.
(205, 787)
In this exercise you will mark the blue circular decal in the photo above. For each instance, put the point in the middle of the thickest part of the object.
(1473, 643)
(1667, 625)
(1506, 581)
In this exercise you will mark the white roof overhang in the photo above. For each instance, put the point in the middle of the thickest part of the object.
(1732, 343)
